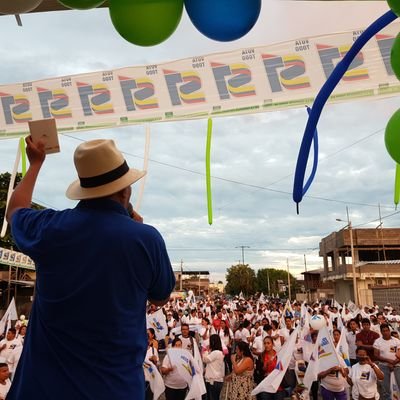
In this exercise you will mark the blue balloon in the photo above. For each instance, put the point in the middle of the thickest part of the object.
(223, 20)
(322, 98)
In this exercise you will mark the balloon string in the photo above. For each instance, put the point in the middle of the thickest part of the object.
(10, 190)
(323, 96)
(397, 186)
(208, 171)
(145, 166)
(23, 155)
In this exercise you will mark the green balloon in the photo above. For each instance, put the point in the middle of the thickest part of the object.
(81, 4)
(146, 22)
(395, 56)
(392, 136)
(395, 6)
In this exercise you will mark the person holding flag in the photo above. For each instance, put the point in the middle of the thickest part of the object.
(333, 383)
(364, 376)
(269, 363)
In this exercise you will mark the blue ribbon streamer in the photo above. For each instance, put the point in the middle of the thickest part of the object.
(322, 98)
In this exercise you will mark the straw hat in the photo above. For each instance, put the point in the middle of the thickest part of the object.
(102, 171)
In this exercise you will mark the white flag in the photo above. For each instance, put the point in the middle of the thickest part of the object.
(342, 349)
(272, 382)
(323, 357)
(337, 305)
(153, 376)
(187, 368)
(394, 388)
(241, 297)
(158, 322)
(9, 315)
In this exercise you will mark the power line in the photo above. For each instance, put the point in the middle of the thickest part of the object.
(259, 187)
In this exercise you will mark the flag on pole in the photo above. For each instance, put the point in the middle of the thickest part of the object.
(158, 322)
(337, 305)
(9, 315)
(241, 297)
(272, 382)
(342, 349)
(153, 376)
(323, 357)
(187, 368)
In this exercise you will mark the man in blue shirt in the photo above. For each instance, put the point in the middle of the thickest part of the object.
(96, 268)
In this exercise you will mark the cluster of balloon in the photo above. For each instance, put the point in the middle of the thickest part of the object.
(223, 20)
(392, 132)
(18, 6)
(150, 22)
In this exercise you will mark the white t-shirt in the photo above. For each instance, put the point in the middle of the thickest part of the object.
(387, 348)
(364, 381)
(215, 367)
(10, 346)
(351, 341)
(335, 382)
(173, 380)
(258, 345)
(245, 335)
(13, 358)
(4, 389)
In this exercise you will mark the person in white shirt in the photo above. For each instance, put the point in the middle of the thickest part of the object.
(215, 368)
(175, 385)
(8, 344)
(351, 339)
(387, 353)
(5, 382)
(245, 332)
(364, 376)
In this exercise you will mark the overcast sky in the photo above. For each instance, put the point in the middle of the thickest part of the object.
(253, 157)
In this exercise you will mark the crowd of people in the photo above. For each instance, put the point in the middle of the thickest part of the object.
(238, 343)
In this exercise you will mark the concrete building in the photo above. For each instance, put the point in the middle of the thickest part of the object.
(197, 281)
(376, 262)
(315, 288)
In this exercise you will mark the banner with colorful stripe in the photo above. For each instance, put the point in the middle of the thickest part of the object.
(267, 78)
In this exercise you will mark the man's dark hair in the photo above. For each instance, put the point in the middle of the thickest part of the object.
(365, 321)
(384, 326)
(183, 325)
(13, 330)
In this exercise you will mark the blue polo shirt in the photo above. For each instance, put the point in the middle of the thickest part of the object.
(96, 268)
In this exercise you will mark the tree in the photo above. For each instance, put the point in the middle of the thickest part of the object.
(240, 278)
(274, 275)
(8, 242)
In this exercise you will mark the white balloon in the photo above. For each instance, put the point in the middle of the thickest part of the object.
(18, 6)
(317, 322)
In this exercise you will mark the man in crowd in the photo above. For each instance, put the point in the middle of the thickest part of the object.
(95, 260)
(366, 337)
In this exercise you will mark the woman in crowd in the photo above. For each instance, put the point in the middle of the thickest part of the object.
(226, 336)
(275, 335)
(364, 376)
(151, 336)
(215, 368)
(269, 360)
(175, 385)
(242, 382)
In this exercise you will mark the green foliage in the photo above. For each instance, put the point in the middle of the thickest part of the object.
(8, 242)
(240, 278)
(274, 275)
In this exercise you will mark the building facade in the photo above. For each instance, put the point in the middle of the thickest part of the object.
(376, 262)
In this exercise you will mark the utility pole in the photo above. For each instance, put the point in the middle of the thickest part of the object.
(180, 283)
(242, 247)
(288, 278)
(305, 263)
(353, 266)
